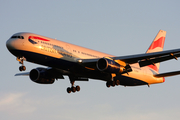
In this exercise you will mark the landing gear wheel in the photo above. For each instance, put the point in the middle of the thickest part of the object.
(73, 89)
(113, 83)
(77, 88)
(22, 68)
(108, 84)
(117, 82)
(68, 90)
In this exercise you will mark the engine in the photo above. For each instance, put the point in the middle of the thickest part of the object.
(41, 76)
(108, 65)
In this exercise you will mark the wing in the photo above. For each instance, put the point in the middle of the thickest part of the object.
(142, 59)
(22, 74)
(150, 58)
(56, 73)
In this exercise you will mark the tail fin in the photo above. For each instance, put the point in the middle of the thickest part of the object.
(157, 46)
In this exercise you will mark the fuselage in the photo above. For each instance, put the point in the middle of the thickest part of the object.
(62, 55)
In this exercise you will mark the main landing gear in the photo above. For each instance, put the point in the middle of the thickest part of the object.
(72, 88)
(21, 61)
(112, 83)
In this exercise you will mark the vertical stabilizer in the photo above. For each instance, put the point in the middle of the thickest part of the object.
(157, 46)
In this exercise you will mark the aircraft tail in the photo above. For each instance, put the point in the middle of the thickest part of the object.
(157, 46)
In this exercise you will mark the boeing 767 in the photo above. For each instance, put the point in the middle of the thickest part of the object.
(81, 64)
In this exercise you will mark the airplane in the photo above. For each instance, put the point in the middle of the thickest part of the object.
(81, 64)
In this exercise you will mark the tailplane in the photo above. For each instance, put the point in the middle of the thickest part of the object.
(157, 46)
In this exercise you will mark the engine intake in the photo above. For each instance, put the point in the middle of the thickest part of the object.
(41, 76)
(108, 65)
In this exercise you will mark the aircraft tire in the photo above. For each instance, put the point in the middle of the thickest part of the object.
(117, 82)
(23, 68)
(20, 68)
(73, 89)
(113, 83)
(108, 84)
(77, 88)
(68, 90)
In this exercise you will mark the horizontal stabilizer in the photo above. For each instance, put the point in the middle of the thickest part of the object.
(168, 74)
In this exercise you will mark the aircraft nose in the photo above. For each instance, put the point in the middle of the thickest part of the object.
(12, 44)
(9, 44)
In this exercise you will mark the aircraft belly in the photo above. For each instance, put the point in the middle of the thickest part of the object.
(137, 78)
(129, 81)
(44, 59)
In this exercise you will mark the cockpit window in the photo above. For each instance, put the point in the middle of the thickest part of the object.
(14, 37)
(20, 37)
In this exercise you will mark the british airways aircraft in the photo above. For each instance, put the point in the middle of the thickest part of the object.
(81, 64)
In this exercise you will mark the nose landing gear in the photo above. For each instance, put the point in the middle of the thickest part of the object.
(21, 61)
(22, 68)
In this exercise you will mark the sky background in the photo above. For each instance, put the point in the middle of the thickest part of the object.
(115, 27)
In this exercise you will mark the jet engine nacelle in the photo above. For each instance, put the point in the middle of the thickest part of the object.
(108, 65)
(41, 76)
